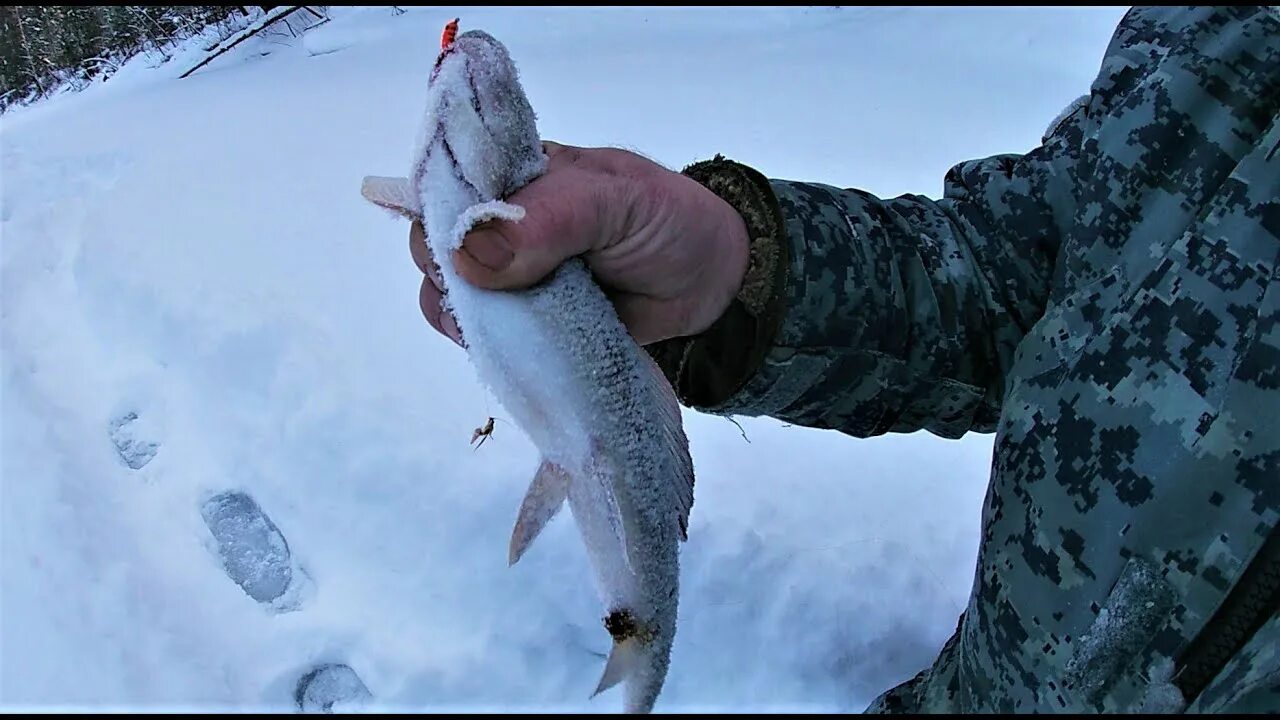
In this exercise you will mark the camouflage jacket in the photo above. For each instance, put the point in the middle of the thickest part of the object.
(1107, 304)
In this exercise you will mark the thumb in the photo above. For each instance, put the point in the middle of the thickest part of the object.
(561, 220)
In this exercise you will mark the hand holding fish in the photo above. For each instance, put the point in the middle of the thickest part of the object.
(670, 253)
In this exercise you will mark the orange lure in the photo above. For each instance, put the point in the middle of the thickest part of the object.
(450, 32)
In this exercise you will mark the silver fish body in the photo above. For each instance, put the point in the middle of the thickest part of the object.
(561, 363)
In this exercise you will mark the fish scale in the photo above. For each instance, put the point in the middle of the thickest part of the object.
(559, 360)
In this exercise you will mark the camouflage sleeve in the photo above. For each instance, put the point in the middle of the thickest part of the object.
(871, 315)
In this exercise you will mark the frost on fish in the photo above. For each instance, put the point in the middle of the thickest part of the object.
(562, 364)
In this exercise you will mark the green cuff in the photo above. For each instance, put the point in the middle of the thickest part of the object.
(708, 369)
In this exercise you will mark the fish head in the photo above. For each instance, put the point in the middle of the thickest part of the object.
(480, 110)
(477, 114)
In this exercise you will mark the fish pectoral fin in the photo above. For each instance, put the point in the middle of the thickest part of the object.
(541, 503)
(622, 661)
(482, 212)
(670, 433)
(392, 193)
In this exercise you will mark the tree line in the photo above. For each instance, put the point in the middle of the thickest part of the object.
(43, 48)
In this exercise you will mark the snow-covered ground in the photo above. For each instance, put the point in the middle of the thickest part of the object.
(195, 253)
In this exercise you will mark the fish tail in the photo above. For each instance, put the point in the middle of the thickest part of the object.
(623, 661)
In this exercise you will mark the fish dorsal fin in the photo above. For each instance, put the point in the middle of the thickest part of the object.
(622, 662)
(671, 435)
(541, 503)
(392, 193)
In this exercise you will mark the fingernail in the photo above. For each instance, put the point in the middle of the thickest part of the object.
(488, 248)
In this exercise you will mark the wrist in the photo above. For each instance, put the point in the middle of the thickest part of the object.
(707, 369)
(728, 273)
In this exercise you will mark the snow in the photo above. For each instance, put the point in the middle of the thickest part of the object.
(195, 252)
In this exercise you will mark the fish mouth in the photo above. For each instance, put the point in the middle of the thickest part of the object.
(467, 45)
(440, 135)
(444, 53)
(471, 80)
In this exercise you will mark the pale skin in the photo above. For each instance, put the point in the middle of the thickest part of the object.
(669, 252)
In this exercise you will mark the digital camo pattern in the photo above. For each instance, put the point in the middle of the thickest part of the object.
(1108, 305)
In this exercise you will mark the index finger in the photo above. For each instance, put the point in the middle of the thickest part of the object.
(418, 247)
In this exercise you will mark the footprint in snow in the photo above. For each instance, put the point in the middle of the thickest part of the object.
(254, 552)
(330, 685)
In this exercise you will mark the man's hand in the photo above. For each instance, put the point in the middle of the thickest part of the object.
(670, 253)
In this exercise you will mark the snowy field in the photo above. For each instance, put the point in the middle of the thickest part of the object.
(192, 285)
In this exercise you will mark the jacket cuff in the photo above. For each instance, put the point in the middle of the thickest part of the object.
(710, 368)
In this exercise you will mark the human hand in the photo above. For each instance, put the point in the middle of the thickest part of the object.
(669, 252)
